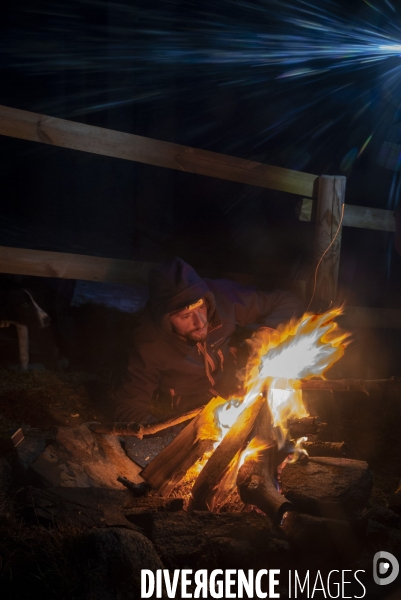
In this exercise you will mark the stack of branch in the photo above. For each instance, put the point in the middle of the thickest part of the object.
(256, 477)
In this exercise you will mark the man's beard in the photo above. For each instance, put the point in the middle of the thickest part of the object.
(198, 335)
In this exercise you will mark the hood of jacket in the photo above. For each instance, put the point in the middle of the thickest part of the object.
(172, 287)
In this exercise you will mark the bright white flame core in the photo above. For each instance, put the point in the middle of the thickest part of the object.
(307, 353)
(228, 413)
(300, 350)
(284, 405)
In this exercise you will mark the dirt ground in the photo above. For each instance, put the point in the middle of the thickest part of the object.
(74, 367)
(46, 399)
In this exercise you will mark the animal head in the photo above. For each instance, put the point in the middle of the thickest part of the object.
(17, 305)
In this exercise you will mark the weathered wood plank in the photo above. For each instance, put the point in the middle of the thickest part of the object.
(304, 209)
(369, 218)
(21, 261)
(354, 216)
(98, 140)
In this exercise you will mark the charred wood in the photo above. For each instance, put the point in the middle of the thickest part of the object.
(138, 489)
(261, 492)
(334, 449)
(306, 426)
(257, 476)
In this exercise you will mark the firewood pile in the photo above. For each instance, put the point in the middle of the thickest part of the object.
(262, 479)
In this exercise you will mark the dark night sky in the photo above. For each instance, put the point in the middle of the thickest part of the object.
(312, 86)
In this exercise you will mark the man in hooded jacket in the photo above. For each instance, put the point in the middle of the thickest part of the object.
(184, 350)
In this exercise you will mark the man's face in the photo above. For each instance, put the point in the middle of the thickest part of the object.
(191, 322)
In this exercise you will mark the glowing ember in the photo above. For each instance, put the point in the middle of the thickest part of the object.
(194, 471)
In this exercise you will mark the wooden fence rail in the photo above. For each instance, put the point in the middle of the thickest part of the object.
(98, 140)
(22, 261)
(354, 216)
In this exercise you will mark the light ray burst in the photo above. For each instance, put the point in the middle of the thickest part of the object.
(149, 53)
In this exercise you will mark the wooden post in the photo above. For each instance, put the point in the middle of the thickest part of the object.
(331, 193)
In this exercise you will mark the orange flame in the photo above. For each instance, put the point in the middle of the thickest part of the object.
(280, 358)
(299, 350)
(253, 449)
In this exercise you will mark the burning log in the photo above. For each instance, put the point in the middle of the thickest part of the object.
(352, 385)
(170, 466)
(224, 457)
(305, 426)
(334, 449)
(140, 429)
(255, 479)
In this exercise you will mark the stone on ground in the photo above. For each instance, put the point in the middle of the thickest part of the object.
(80, 458)
(328, 487)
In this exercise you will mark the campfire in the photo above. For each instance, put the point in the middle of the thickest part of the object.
(243, 442)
